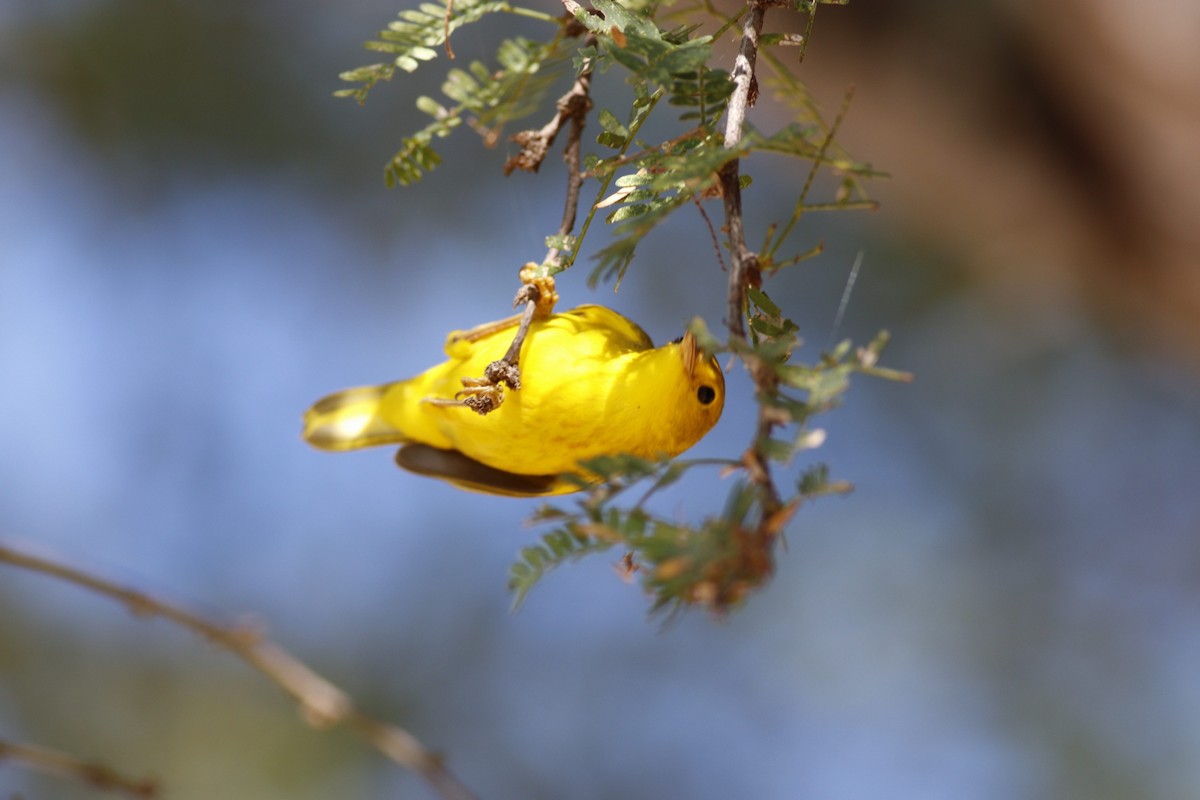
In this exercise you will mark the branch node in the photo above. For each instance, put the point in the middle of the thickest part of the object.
(536, 143)
(537, 288)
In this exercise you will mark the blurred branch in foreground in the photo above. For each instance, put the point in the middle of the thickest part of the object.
(323, 704)
(90, 773)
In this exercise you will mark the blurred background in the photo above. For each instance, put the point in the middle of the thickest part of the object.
(195, 244)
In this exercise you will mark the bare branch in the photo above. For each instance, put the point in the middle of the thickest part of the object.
(744, 266)
(578, 104)
(324, 705)
(537, 293)
(89, 773)
(535, 144)
(446, 28)
(755, 545)
(745, 83)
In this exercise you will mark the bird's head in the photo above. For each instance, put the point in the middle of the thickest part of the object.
(701, 390)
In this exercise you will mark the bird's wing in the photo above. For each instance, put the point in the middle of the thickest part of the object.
(467, 473)
(624, 334)
(459, 343)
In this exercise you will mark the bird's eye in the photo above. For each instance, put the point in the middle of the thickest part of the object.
(706, 394)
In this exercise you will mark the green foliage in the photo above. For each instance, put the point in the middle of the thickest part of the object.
(633, 41)
(569, 542)
(415, 37)
(715, 563)
(486, 99)
(639, 183)
(718, 561)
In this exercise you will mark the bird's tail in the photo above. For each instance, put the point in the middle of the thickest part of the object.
(351, 419)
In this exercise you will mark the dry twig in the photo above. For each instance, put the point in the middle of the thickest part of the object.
(537, 294)
(535, 144)
(89, 773)
(323, 704)
(755, 558)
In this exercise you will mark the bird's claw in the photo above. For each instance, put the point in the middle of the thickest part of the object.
(503, 371)
(484, 395)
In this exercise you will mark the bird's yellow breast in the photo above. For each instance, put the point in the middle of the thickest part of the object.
(576, 399)
(592, 384)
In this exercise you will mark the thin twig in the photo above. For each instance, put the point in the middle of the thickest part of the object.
(324, 705)
(535, 144)
(817, 162)
(712, 233)
(745, 91)
(538, 293)
(744, 272)
(484, 395)
(608, 165)
(608, 175)
(514, 349)
(745, 84)
(89, 773)
(446, 28)
(579, 104)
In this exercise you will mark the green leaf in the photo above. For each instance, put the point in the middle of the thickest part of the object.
(431, 107)
(610, 123)
(628, 212)
(492, 98)
(547, 513)
(635, 179)
(704, 337)
(799, 376)
(613, 140)
(760, 299)
(815, 482)
(560, 242)
(624, 465)
(767, 328)
(642, 48)
(778, 449)
(613, 260)
(556, 547)
(622, 18)
(417, 36)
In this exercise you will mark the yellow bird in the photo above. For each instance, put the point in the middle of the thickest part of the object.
(592, 384)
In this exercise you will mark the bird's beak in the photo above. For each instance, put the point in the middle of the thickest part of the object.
(691, 353)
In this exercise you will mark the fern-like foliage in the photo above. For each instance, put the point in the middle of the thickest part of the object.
(417, 35)
(570, 542)
(639, 183)
(632, 40)
(718, 561)
(484, 98)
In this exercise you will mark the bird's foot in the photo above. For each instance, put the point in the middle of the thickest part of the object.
(484, 395)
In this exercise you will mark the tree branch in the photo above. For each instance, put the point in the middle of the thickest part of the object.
(537, 294)
(535, 144)
(745, 92)
(577, 103)
(324, 705)
(744, 269)
(90, 773)
(754, 560)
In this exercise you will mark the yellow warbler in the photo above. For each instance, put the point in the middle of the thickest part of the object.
(592, 384)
